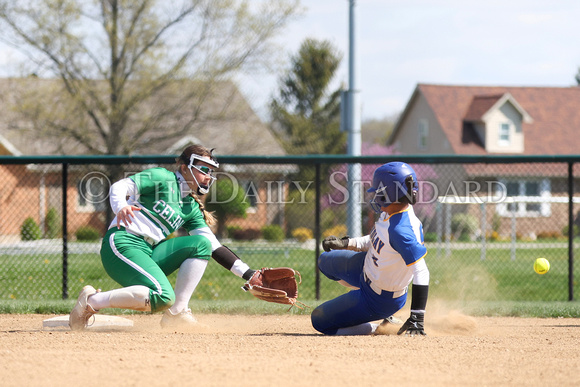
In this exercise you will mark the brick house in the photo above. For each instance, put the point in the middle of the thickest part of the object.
(31, 190)
(501, 120)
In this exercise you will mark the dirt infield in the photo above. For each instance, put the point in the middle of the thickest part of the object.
(285, 351)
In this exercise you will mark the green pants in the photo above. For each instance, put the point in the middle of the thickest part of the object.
(129, 260)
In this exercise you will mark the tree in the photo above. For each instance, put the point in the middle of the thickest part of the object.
(228, 200)
(306, 115)
(378, 131)
(131, 72)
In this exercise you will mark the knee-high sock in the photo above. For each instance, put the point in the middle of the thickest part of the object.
(188, 277)
(132, 297)
(357, 330)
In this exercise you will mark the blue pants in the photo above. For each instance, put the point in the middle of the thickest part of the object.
(356, 306)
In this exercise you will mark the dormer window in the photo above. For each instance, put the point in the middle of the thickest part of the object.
(504, 134)
(497, 121)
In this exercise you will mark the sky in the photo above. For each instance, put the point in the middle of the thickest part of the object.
(401, 43)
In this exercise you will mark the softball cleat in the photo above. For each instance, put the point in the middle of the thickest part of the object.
(392, 320)
(82, 312)
(182, 319)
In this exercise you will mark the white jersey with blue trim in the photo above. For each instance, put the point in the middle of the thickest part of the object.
(396, 244)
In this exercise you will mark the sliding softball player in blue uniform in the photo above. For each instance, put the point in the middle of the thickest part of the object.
(149, 206)
(380, 266)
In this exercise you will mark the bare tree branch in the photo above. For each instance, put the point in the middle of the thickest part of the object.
(119, 61)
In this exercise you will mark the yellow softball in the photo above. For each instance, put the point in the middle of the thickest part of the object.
(541, 266)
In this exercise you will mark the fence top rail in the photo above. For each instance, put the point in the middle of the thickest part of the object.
(505, 200)
(296, 159)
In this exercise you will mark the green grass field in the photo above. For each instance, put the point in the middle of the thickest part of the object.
(465, 276)
(495, 285)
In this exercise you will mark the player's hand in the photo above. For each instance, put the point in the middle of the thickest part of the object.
(125, 215)
(415, 325)
(333, 243)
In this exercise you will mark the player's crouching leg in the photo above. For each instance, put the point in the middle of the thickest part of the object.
(320, 322)
(79, 317)
(162, 302)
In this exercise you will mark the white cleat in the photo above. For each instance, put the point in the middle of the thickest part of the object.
(82, 312)
(183, 319)
(392, 320)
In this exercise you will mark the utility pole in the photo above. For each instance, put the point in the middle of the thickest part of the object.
(353, 126)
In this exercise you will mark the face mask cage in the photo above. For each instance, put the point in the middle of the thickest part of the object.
(211, 161)
(376, 206)
(203, 169)
(202, 189)
(378, 200)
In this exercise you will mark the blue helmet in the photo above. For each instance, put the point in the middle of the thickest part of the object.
(392, 183)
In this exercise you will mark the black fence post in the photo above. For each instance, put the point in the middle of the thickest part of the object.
(64, 231)
(570, 231)
(317, 230)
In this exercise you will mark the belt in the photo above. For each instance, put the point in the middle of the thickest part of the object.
(382, 292)
(150, 241)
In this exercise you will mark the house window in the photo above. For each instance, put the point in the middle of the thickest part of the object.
(92, 194)
(504, 134)
(250, 195)
(423, 132)
(525, 198)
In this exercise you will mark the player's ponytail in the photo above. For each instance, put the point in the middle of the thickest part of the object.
(208, 216)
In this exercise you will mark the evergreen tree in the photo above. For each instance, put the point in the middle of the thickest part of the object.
(305, 114)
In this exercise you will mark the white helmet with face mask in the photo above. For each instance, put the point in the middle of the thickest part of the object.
(201, 188)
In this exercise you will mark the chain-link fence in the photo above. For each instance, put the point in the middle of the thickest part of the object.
(485, 221)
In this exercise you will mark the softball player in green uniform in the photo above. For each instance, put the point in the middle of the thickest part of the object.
(149, 206)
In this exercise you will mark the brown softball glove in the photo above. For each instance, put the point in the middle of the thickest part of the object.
(277, 285)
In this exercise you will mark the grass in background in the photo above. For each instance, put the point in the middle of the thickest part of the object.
(465, 276)
(540, 309)
(35, 277)
(497, 285)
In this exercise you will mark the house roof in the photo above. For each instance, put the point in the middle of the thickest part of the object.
(236, 131)
(482, 105)
(554, 114)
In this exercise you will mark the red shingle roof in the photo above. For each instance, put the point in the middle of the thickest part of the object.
(555, 112)
(480, 104)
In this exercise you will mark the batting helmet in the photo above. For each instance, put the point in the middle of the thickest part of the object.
(393, 182)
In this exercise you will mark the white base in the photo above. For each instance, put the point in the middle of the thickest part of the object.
(101, 322)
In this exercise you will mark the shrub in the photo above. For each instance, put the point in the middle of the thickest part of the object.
(248, 234)
(430, 237)
(273, 233)
(463, 225)
(302, 234)
(53, 224)
(88, 234)
(30, 231)
(339, 231)
(496, 222)
(575, 230)
(549, 235)
(463, 237)
(231, 230)
(299, 210)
